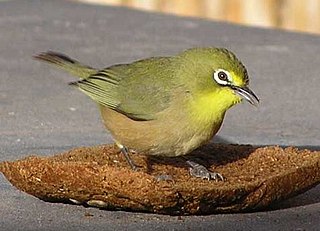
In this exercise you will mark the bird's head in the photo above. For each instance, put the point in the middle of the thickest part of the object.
(216, 74)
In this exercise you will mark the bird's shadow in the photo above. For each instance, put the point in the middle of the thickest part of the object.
(221, 152)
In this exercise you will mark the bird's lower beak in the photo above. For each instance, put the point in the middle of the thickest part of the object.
(247, 94)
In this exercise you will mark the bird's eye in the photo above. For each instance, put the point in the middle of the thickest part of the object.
(222, 77)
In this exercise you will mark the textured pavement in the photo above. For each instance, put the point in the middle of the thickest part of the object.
(41, 114)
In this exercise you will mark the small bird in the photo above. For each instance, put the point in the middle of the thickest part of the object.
(164, 106)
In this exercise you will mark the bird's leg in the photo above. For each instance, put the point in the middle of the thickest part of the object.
(124, 150)
(199, 171)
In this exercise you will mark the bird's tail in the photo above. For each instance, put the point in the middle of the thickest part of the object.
(66, 63)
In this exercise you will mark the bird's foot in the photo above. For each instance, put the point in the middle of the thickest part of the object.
(199, 171)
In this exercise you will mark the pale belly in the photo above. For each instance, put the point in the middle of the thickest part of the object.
(166, 137)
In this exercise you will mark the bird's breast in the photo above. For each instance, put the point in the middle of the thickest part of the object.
(175, 132)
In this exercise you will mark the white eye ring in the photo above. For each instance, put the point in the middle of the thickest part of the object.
(222, 77)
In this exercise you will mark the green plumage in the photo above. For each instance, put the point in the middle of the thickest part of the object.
(144, 88)
(138, 90)
(129, 88)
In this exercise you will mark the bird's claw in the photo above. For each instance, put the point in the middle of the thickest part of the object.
(199, 171)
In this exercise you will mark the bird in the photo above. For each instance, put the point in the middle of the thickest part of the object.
(163, 105)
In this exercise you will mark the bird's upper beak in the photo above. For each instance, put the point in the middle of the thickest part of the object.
(247, 94)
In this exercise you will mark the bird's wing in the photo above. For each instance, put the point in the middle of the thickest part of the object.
(138, 90)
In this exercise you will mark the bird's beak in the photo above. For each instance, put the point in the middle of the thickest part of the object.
(247, 94)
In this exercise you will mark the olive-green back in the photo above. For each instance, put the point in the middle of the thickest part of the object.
(138, 90)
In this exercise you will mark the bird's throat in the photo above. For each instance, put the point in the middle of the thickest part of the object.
(210, 108)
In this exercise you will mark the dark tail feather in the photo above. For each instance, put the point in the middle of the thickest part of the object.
(54, 58)
(66, 63)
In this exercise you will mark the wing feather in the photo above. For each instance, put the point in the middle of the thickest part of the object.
(138, 90)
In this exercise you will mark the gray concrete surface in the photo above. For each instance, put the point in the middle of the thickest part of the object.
(40, 113)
